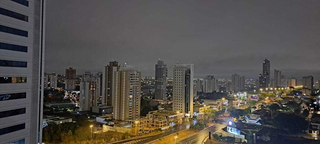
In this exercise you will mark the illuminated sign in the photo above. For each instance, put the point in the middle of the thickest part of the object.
(254, 97)
(233, 130)
(240, 94)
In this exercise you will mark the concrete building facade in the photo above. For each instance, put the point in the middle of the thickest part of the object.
(70, 79)
(50, 81)
(209, 84)
(21, 70)
(277, 78)
(161, 73)
(107, 82)
(126, 95)
(183, 88)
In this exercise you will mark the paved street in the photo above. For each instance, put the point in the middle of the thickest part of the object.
(200, 137)
(143, 140)
(174, 130)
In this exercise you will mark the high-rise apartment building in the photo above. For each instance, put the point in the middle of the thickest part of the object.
(21, 71)
(183, 88)
(50, 81)
(283, 81)
(198, 85)
(99, 77)
(292, 82)
(277, 78)
(317, 85)
(126, 94)
(235, 82)
(266, 71)
(242, 83)
(161, 73)
(209, 84)
(70, 79)
(264, 78)
(307, 82)
(108, 82)
(90, 88)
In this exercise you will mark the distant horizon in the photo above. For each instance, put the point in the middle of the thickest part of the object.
(298, 74)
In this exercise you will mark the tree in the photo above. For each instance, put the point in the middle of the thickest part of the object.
(67, 137)
(217, 113)
(239, 112)
(216, 136)
(292, 105)
(262, 96)
(252, 102)
(208, 113)
(291, 123)
(273, 108)
(305, 113)
(197, 126)
(82, 133)
(271, 95)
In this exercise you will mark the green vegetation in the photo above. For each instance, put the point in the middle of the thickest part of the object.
(209, 113)
(146, 107)
(265, 95)
(239, 112)
(252, 103)
(197, 126)
(217, 113)
(291, 123)
(60, 134)
(274, 108)
(305, 113)
(216, 136)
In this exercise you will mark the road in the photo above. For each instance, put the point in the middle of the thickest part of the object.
(199, 137)
(143, 140)
(174, 130)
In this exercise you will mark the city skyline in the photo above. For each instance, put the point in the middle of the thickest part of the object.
(196, 34)
(170, 75)
(159, 72)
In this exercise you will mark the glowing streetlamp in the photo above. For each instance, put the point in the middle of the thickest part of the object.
(136, 122)
(91, 126)
(175, 138)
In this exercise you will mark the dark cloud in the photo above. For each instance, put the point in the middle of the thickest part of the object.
(218, 37)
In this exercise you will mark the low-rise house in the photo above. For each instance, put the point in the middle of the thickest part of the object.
(304, 106)
(57, 120)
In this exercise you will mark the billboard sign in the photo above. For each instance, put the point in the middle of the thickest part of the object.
(233, 130)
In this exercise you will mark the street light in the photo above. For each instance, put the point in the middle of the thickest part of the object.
(91, 126)
(175, 139)
(136, 122)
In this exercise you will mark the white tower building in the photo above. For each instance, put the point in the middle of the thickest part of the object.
(183, 88)
(21, 71)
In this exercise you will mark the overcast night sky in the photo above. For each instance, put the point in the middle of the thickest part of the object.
(218, 37)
